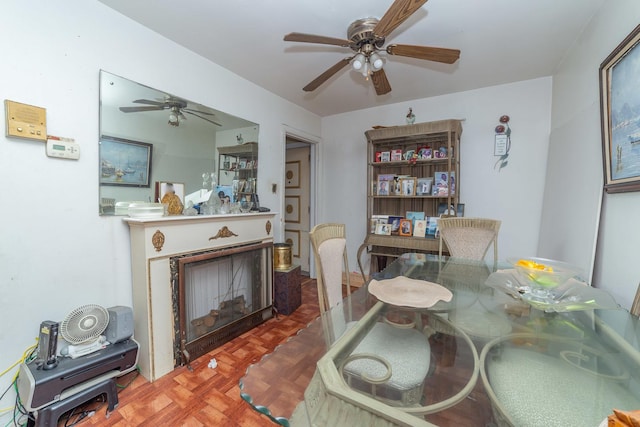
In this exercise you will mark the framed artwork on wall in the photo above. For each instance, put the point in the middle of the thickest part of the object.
(293, 238)
(292, 209)
(292, 174)
(620, 116)
(125, 162)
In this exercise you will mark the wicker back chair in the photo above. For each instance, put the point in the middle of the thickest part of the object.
(469, 238)
(329, 243)
(407, 369)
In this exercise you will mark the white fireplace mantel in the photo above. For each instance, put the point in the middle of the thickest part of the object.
(153, 243)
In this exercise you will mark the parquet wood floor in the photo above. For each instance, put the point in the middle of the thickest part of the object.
(207, 397)
(211, 397)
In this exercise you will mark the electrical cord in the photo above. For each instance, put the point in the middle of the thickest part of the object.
(27, 356)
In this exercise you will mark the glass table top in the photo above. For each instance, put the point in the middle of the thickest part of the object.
(487, 347)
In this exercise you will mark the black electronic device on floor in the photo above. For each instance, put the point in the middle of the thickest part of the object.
(39, 388)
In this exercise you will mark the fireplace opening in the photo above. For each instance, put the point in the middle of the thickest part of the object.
(218, 295)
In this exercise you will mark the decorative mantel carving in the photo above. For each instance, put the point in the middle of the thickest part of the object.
(158, 240)
(222, 233)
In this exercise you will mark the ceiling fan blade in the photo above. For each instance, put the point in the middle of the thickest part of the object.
(312, 38)
(149, 102)
(200, 117)
(380, 82)
(196, 111)
(399, 11)
(327, 74)
(138, 109)
(438, 54)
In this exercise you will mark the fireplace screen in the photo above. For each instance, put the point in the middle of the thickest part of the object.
(219, 295)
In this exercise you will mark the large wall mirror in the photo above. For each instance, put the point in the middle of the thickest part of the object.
(148, 137)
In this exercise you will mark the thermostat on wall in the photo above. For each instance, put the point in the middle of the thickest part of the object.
(62, 148)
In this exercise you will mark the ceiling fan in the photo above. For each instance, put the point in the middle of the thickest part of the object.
(177, 109)
(366, 38)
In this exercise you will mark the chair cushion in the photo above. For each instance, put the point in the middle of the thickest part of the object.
(409, 367)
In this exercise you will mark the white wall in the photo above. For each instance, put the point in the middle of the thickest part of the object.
(56, 253)
(513, 195)
(574, 184)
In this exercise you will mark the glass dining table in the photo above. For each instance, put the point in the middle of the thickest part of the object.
(497, 357)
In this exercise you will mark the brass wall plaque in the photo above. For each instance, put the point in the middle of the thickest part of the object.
(25, 121)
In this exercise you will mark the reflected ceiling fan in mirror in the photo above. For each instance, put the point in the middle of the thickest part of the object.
(366, 37)
(177, 109)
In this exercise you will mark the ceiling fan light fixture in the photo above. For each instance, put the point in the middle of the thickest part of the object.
(173, 119)
(376, 61)
(366, 70)
(359, 61)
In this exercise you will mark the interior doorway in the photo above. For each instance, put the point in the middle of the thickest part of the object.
(299, 184)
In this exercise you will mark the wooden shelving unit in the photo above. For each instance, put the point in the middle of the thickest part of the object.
(442, 136)
(239, 162)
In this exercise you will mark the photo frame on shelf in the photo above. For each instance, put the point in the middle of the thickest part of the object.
(385, 184)
(432, 227)
(394, 221)
(225, 192)
(620, 102)
(420, 228)
(408, 186)
(383, 229)
(292, 174)
(408, 154)
(378, 219)
(442, 210)
(396, 155)
(125, 162)
(406, 227)
(425, 153)
(385, 156)
(292, 209)
(423, 186)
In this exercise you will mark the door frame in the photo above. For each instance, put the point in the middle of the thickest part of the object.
(314, 178)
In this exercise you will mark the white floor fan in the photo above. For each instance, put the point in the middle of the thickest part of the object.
(82, 330)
